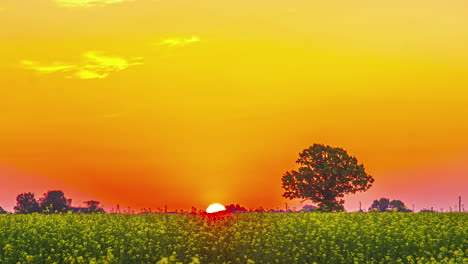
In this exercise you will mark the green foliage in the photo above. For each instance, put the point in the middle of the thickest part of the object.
(237, 238)
(325, 175)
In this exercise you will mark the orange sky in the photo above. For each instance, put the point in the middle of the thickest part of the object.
(147, 103)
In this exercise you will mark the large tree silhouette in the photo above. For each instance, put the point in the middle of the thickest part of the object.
(26, 203)
(325, 175)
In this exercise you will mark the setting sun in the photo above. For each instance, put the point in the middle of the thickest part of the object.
(216, 207)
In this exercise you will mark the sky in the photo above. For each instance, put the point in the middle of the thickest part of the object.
(148, 103)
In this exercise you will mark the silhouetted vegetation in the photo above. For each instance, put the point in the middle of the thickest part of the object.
(380, 205)
(235, 208)
(52, 202)
(259, 210)
(425, 210)
(399, 206)
(26, 203)
(308, 208)
(385, 205)
(93, 207)
(325, 175)
(55, 202)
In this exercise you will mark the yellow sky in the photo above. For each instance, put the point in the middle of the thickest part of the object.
(204, 101)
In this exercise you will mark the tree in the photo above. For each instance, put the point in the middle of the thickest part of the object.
(308, 208)
(235, 208)
(385, 205)
(259, 210)
(2, 211)
(325, 175)
(54, 202)
(399, 206)
(26, 204)
(93, 207)
(381, 205)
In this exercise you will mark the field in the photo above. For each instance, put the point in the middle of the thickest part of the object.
(239, 238)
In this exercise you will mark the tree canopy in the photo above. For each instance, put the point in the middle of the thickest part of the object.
(380, 205)
(54, 202)
(93, 207)
(399, 206)
(308, 208)
(385, 205)
(26, 203)
(325, 175)
(235, 208)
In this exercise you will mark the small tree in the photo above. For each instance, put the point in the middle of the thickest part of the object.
(308, 208)
(385, 205)
(399, 206)
(325, 175)
(26, 204)
(235, 208)
(260, 210)
(54, 202)
(2, 211)
(381, 205)
(93, 207)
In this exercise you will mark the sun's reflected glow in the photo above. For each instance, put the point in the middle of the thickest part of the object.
(216, 207)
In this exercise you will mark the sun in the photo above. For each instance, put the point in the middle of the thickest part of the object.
(216, 207)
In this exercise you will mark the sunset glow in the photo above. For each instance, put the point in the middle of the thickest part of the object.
(147, 104)
(214, 208)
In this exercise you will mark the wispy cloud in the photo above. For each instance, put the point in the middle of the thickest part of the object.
(179, 41)
(51, 68)
(88, 3)
(94, 65)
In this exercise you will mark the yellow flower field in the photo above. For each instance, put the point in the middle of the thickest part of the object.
(237, 238)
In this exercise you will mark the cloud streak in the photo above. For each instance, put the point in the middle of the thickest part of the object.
(87, 3)
(94, 65)
(54, 67)
(173, 42)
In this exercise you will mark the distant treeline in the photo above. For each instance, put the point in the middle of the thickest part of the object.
(56, 202)
(52, 202)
